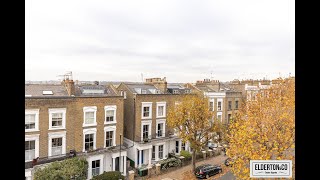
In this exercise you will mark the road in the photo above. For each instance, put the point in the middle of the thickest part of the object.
(227, 176)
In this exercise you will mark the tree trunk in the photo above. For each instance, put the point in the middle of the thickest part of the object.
(193, 160)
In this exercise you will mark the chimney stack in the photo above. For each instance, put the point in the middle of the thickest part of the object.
(69, 84)
(158, 82)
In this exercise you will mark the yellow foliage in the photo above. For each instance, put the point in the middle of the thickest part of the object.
(191, 119)
(263, 129)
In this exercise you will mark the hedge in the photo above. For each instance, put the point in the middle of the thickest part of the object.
(73, 168)
(110, 175)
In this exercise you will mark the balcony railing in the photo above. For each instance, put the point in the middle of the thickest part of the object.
(154, 137)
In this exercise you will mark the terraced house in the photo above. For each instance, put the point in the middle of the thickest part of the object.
(67, 119)
(147, 135)
(224, 101)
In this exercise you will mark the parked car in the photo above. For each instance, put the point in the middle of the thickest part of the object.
(212, 146)
(228, 162)
(207, 170)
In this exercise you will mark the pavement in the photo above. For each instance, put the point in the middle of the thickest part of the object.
(227, 176)
(185, 172)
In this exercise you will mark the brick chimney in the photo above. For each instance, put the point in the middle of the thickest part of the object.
(69, 84)
(159, 83)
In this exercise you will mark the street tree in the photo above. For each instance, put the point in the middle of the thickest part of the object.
(264, 129)
(191, 118)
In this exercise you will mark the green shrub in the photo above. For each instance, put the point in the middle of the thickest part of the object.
(110, 175)
(73, 168)
(185, 154)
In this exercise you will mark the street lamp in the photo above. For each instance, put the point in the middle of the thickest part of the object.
(120, 156)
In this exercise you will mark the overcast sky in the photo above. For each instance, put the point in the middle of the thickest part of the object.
(183, 41)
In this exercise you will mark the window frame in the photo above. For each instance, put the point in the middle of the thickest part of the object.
(183, 146)
(95, 167)
(57, 110)
(153, 153)
(219, 114)
(164, 104)
(221, 107)
(229, 105)
(89, 109)
(107, 108)
(161, 121)
(149, 122)
(53, 135)
(161, 151)
(94, 158)
(211, 108)
(146, 104)
(110, 128)
(89, 131)
(36, 113)
(34, 137)
(236, 104)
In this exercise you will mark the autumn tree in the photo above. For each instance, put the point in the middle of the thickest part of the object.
(264, 129)
(191, 118)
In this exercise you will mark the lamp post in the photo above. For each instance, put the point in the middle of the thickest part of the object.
(120, 155)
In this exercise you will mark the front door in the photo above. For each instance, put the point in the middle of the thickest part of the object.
(117, 164)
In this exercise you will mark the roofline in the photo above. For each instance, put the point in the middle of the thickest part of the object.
(126, 87)
(193, 86)
(115, 90)
(70, 97)
(164, 94)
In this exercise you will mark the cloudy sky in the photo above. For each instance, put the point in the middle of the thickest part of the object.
(184, 40)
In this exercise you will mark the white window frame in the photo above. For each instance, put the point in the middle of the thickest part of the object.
(36, 113)
(219, 114)
(211, 100)
(110, 107)
(89, 109)
(154, 153)
(146, 104)
(89, 131)
(236, 107)
(33, 137)
(159, 121)
(149, 129)
(164, 104)
(220, 100)
(110, 128)
(57, 110)
(94, 158)
(181, 142)
(163, 154)
(57, 135)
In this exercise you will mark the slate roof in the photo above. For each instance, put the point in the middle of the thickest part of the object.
(97, 90)
(134, 87)
(37, 90)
